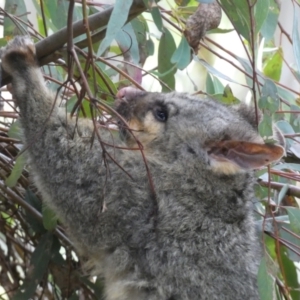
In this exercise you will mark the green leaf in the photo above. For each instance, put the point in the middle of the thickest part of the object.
(290, 274)
(33, 201)
(15, 131)
(261, 11)
(49, 218)
(265, 127)
(12, 28)
(155, 12)
(157, 18)
(182, 55)
(239, 16)
(294, 215)
(16, 172)
(105, 85)
(38, 266)
(83, 110)
(285, 94)
(214, 86)
(210, 89)
(141, 30)
(269, 97)
(296, 39)
(150, 46)
(286, 128)
(116, 21)
(269, 26)
(286, 233)
(58, 13)
(282, 193)
(166, 49)
(219, 30)
(213, 70)
(269, 243)
(227, 97)
(273, 65)
(265, 282)
(3, 42)
(127, 42)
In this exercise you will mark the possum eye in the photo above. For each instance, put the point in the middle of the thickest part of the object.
(160, 114)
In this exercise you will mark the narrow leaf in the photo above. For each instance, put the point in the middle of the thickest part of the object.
(157, 18)
(214, 71)
(166, 49)
(294, 215)
(182, 55)
(16, 172)
(269, 26)
(273, 65)
(282, 193)
(290, 274)
(239, 16)
(265, 281)
(117, 19)
(49, 218)
(296, 39)
(39, 263)
(261, 11)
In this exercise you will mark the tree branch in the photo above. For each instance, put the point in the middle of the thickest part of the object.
(292, 190)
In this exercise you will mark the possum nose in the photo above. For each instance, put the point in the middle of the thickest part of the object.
(129, 92)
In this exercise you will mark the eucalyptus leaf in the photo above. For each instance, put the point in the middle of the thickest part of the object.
(182, 55)
(117, 20)
(127, 41)
(296, 39)
(10, 28)
(290, 272)
(214, 86)
(288, 236)
(265, 281)
(239, 16)
(16, 172)
(213, 70)
(157, 18)
(166, 49)
(269, 26)
(39, 263)
(15, 131)
(49, 218)
(261, 11)
(273, 65)
(294, 215)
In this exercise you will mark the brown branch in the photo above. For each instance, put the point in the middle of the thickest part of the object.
(292, 190)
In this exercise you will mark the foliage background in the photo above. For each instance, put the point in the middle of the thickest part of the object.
(252, 56)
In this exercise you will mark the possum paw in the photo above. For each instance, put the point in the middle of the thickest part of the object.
(18, 55)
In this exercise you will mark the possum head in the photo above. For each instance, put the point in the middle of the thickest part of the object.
(178, 126)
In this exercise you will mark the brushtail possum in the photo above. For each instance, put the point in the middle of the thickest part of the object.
(170, 220)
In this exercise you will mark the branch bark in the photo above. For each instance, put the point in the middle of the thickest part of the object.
(292, 190)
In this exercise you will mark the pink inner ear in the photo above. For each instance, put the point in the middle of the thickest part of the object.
(246, 155)
(128, 92)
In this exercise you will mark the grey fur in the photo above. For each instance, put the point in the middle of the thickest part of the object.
(191, 239)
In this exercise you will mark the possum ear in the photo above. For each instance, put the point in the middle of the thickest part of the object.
(230, 157)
